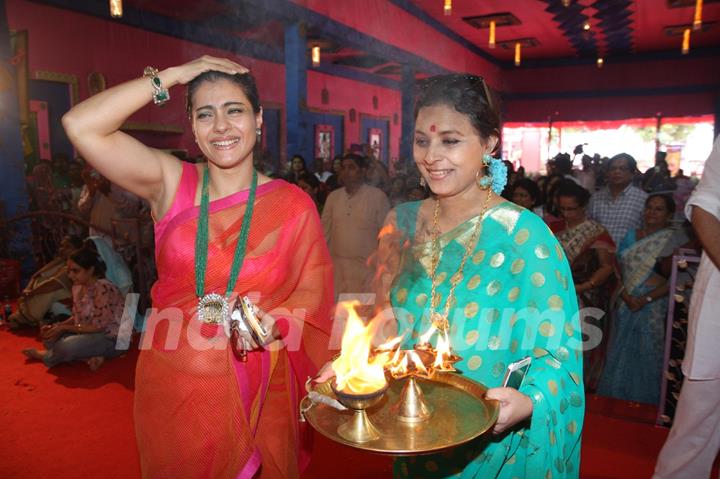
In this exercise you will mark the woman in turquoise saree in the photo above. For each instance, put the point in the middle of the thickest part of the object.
(637, 343)
(499, 280)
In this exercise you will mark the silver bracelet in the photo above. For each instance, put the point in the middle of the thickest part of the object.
(160, 95)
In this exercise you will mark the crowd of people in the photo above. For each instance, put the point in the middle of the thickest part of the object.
(451, 242)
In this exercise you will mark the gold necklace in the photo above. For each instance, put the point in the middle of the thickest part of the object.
(440, 321)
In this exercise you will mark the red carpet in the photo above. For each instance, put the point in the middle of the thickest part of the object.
(71, 423)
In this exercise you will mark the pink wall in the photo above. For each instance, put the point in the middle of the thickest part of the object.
(632, 78)
(347, 94)
(645, 74)
(65, 42)
(614, 108)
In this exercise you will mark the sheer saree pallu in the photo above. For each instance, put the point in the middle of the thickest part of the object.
(515, 299)
(199, 412)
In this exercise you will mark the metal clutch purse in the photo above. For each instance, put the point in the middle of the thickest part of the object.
(243, 318)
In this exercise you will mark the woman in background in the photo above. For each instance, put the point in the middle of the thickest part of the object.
(635, 354)
(591, 252)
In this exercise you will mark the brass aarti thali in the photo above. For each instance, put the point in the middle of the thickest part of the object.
(412, 416)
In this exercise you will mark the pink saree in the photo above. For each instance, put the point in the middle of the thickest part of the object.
(200, 413)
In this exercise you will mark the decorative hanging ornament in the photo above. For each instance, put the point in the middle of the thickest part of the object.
(518, 50)
(686, 41)
(316, 56)
(447, 7)
(566, 3)
(116, 9)
(697, 22)
(600, 62)
(491, 41)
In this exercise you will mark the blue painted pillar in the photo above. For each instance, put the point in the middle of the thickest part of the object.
(296, 90)
(13, 194)
(407, 85)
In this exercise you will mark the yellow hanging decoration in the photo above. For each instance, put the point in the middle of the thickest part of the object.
(447, 8)
(316, 56)
(686, 41)
(600, 62)
(116, 8)
(697, 22)
(518, 47)
(491, 42)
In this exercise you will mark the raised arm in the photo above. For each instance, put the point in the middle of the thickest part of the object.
(93, 127)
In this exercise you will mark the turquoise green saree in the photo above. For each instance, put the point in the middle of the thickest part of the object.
(516, 299)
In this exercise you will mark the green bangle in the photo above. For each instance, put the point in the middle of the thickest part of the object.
(160, 95)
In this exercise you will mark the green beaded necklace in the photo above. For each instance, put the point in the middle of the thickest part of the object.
(214, 308)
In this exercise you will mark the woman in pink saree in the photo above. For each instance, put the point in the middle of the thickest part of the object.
(200, 411)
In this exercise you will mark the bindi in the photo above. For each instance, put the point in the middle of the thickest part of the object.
(433, 128)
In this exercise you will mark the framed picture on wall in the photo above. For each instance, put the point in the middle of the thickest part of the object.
(324, 141)
(375, 140)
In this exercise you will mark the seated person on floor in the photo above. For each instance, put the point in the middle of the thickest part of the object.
(90, 333)
(47, 289)
(116, 269)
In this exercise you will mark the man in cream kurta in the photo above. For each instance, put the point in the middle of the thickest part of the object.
(352, 218)
(694, 439)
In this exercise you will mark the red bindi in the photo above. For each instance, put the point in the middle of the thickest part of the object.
(432, 127)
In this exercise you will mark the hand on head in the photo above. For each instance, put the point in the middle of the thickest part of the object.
(205, 63)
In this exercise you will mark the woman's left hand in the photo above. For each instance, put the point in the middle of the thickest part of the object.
(245, 340)
(515, 407)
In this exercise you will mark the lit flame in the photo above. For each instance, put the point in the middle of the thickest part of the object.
(399, 367)
(425, 338)
(355, 370)
(417, 362)
(360, 368)
(442, 351)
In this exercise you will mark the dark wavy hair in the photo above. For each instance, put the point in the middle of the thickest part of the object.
(667, 199)
(467, 94)
(359, 160)
(87, 258)
(310, 179)
(244, 80)
(531, 187)
(570, 189)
